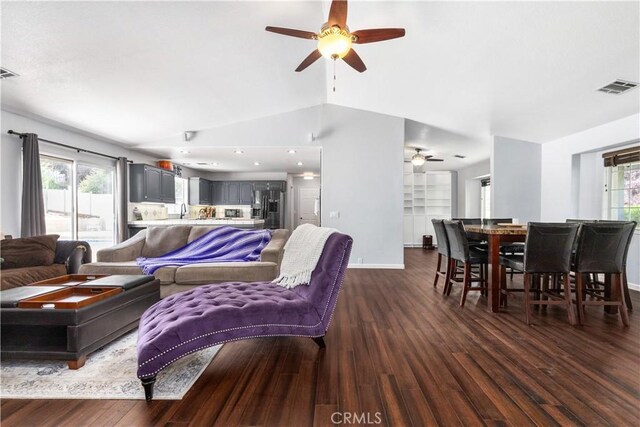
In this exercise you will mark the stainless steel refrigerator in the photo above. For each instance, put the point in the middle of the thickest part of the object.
(269, 205)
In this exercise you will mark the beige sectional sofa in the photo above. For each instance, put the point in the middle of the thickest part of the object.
(156, 241)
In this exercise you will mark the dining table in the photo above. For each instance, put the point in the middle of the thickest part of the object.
(496, 235)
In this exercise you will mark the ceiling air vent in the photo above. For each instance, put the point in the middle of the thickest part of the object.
(617, 87)
(459, 156)
(5, 74)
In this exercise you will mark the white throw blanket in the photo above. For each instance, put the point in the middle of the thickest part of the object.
(301, 254)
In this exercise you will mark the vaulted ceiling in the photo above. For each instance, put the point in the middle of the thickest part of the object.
(136, 72)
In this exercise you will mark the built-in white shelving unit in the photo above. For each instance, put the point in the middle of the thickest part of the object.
(427, 195)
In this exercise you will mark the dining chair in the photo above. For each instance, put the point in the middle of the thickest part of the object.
(625, 283)
(496, 221)
(602, 249)
(461, 252)
(547, 251)
(469, 221)
(443, 253)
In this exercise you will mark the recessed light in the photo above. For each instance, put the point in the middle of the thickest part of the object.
(307, 177)
(292, 151)
(299, 163)
(215, 164)
(239, 152)
(256, 163)
(184, 151)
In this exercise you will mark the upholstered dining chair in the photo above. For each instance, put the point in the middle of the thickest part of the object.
(443, 254)
(625, 283)
(496, 221)
(547, 251)
(461, 252)
(602, 249)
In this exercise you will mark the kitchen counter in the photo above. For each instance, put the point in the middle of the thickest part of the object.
(258, 223)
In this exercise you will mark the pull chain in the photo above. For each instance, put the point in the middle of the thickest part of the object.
(334, 74)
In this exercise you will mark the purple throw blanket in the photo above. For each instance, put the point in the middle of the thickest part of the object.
(222, 244)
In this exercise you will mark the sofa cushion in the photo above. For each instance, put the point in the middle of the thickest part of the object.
(199, 231)
(161, 240)
(28, 251)
(15, 277)
(203, 274)
(164, 274)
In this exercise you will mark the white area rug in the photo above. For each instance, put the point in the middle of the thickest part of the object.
(109, 373)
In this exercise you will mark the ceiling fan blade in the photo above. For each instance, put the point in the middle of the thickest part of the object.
(313, 57)
(338, 13)
(291, 32)
(354, 61)
(378, 34)
(434, 160)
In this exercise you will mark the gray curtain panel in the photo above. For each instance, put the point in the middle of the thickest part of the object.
(32, 195)
(122, 185)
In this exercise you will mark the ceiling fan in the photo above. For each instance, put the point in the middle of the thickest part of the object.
(335, 39)
(419, 159)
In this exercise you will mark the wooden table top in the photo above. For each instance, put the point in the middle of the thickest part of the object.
(496, 229)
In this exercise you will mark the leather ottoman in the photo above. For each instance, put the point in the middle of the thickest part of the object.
(71, 334)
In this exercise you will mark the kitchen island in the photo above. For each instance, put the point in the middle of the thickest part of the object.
(247, 223)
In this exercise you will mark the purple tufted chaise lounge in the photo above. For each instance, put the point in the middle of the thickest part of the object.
(213, 314)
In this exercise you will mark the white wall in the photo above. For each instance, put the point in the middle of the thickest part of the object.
(244, 176)
(362, 158)
(469, 189)
(11, 159)
(515, 179)
(362, 164)
(572, 171)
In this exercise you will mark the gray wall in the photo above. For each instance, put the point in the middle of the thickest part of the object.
(11, 159)
(469, 189)
(572, 171)
(515, 179)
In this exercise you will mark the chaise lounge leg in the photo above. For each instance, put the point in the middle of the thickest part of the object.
(147, 383)
(319, 341)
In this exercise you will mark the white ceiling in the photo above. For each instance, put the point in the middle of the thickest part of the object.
(271, 159)
(139, 72)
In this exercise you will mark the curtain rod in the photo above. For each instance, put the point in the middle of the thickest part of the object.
(79, 150)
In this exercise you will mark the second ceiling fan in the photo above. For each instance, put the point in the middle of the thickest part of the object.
(335, 40)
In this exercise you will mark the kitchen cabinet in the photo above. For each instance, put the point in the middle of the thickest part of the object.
(199, 191)
(232, 193)
(168, 187)
(246, 193)
(150, 184)
(277, 186)
(217, 193)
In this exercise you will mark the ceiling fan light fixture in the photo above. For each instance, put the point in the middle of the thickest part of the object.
(418, 159)
(334, 42)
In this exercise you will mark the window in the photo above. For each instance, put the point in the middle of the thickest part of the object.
(79, 201)
(622, 192)
(485, 198)
(182, 196)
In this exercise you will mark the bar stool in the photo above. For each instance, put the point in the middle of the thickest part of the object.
(602, 249)
(443, 251)
(461, 252)
(547, 250)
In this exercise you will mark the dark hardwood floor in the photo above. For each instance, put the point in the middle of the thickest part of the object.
(400, 353)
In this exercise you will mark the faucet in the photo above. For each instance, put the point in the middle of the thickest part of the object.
(183, 210)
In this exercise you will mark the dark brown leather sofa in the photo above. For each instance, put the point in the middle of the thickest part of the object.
(69, 256)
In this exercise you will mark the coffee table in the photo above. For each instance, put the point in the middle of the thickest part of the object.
(68, 317)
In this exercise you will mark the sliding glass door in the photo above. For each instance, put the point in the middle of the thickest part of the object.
(57, 186)
(79, 201)
(96, 206)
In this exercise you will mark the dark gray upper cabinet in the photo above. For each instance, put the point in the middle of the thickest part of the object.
(168, 187)
(217, 193)
(232, 192)
(261, 186)
(277, 185)
(246, 193)
(199, 191)
(150, 184)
